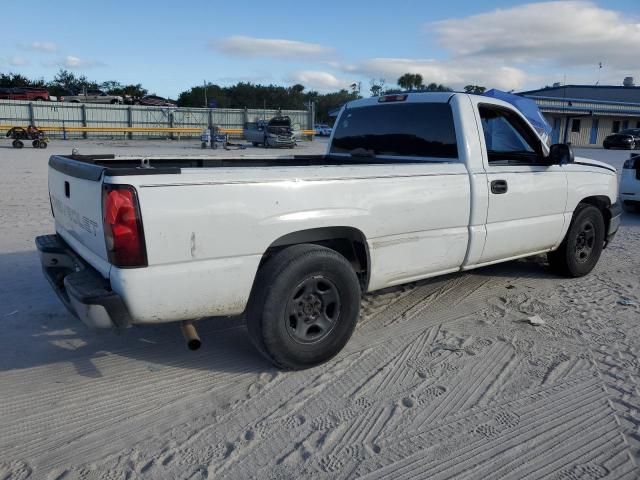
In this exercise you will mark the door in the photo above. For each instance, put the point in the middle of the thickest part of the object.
(527, 196)
(93, 96)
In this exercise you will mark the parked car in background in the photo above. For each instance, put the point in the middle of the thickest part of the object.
(154, 101)
(630, 184)
(629, 138)
(276, 132)
(322, 130)
(25, 93)
(92, 96)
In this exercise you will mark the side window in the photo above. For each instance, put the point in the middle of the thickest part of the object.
(575, 125)
(616, 126)
(508, 138)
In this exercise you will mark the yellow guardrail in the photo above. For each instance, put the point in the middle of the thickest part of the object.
(178, 130)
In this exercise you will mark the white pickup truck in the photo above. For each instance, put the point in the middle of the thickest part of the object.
(412, 186)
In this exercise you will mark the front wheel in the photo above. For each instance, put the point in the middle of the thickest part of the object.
(581, 248)
(304, 306)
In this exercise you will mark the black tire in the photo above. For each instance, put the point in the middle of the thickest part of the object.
(304, 306)
(35, 144)
(606, 147)
(255, 144)
(632, 146)
(43, 144)
(581, 248)
(17, 144)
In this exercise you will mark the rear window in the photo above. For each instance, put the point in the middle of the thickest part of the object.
(397, 130)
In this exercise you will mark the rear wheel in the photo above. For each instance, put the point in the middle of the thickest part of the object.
(304, 306)
(17, 144)
(581, 248)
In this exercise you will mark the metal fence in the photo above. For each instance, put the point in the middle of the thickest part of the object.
(63, 116)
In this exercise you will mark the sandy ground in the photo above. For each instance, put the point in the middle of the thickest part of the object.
(442, 379)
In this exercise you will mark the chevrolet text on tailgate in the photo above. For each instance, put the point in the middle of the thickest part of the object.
(412, 186)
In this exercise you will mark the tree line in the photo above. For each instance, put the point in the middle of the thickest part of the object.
(65, 82)
(240, 95)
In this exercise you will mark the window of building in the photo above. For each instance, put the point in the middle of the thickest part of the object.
(616, 126)
(575, 125)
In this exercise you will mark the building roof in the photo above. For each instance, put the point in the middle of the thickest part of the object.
(606, 93)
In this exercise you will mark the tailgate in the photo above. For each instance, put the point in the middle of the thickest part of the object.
(77, 207)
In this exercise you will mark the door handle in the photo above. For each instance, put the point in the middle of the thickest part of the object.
(499, 186)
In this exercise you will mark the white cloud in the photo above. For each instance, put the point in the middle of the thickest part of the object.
(46, 47)
(515, 47)
(243, 46)
(450, 73)
(567, 33)
(17, 61)
(318, 80)
(72, 62)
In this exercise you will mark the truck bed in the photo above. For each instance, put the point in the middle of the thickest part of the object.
(84, 166)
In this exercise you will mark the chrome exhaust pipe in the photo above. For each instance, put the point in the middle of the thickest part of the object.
(190, 335)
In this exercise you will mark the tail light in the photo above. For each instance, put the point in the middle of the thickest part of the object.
(123, 231)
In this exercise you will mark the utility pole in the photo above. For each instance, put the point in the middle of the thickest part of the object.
(206, 104)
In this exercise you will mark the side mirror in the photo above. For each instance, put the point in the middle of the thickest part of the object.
(560, 153)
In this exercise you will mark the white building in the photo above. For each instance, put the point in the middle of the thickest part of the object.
(585, 114)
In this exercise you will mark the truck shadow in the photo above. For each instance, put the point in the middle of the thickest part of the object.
(37, 330)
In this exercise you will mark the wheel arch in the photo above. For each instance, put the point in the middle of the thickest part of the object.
(349, 242)
(602, 203)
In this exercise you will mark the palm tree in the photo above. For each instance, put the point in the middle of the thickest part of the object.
(406, 81)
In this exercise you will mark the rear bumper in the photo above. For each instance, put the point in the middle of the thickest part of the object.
(615, 211)
(85, 293)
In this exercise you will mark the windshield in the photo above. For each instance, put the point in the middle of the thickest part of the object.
(398, 130)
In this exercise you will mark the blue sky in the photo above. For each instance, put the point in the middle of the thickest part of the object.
(170, 46)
